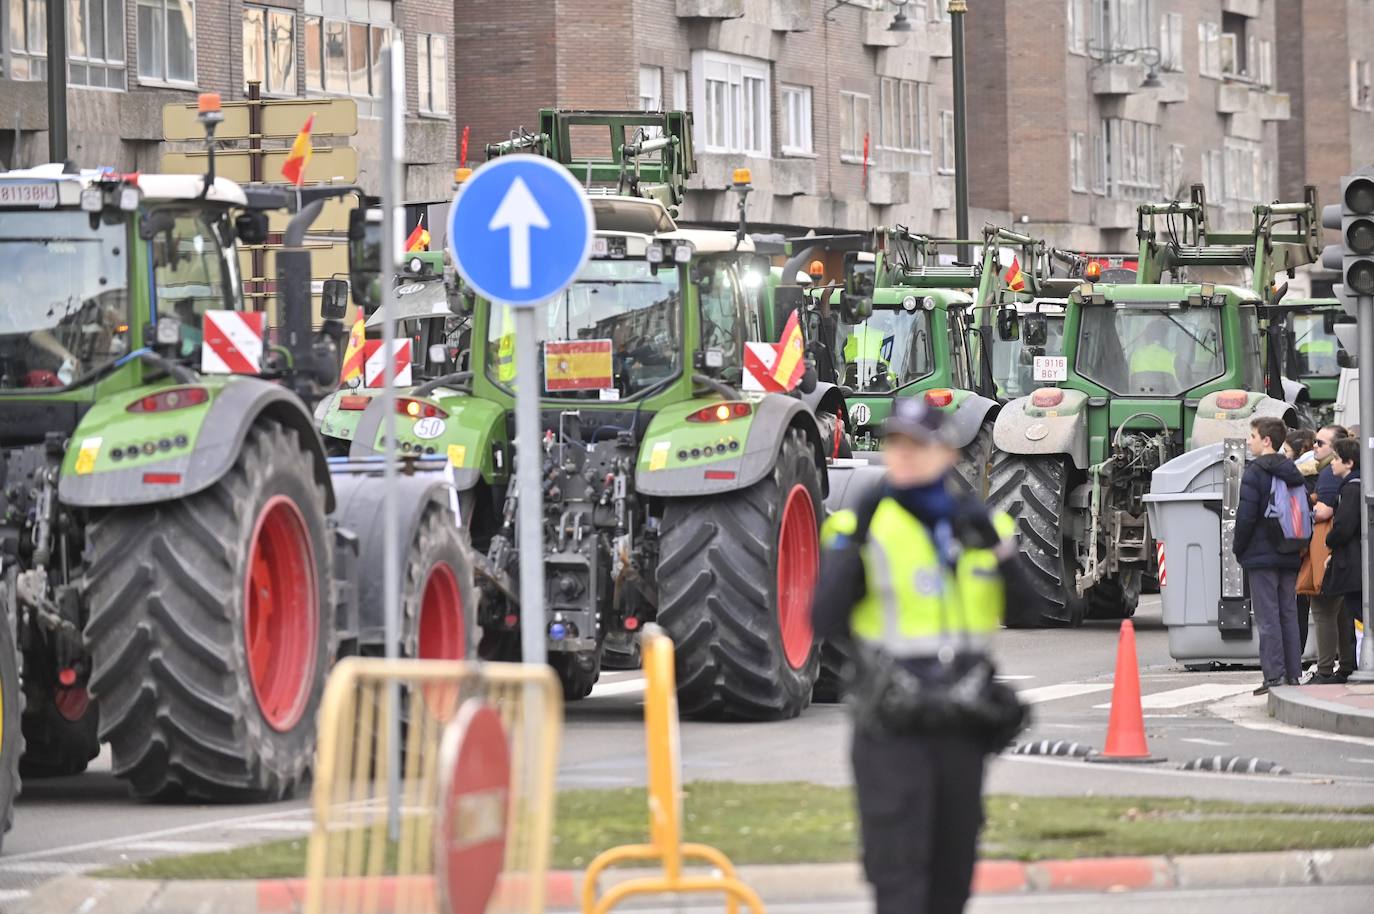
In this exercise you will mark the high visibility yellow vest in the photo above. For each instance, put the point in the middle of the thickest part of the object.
(505, 347)
(1153, 357)
(1318, 347)
(864, 343)
(914, 604)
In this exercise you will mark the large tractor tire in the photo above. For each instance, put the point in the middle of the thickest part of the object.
(578, 672)
(211, 631)
(439, 608)
(971, 472)
(11, 730)
(735, 576)
(1115, 598)
(1032, 490)
(60, 730)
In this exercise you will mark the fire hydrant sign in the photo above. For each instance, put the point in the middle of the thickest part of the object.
(1050, 368)
(474, 802)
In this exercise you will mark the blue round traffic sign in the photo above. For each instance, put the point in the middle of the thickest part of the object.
(520, 229)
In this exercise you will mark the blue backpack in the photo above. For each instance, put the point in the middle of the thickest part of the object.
(1290, 516)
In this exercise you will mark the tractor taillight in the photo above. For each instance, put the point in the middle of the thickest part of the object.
(354, 402)
(1047, 397)
(170, 399)
(1232, 399)
(940, 396)
(162, 479)
(419, 409)
(721, 412)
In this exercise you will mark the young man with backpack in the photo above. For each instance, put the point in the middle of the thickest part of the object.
(1273, 526)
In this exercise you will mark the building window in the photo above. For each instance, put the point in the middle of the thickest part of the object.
(1244, 178)
(269, 49)
(904, 116)
(1234, 46)
(95, 43)
(1214, 174)
(946, 142)
(1209, 49)
(1264, 66)
(1132, 163)
(167, 41)
(1171, 42)
(1173, 173)
(431, 64)
(344, 56)
(28, 27)
(736, 92)
(796, 120)
(1123, 24)
(855, 111)
(1078, 162)
(1077, 27)
(1361, 86)
(650, 88)
(680, 101)
(1099, 174)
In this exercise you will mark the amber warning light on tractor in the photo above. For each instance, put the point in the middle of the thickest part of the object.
(742, 177)
(208, 103)
(1093, 271)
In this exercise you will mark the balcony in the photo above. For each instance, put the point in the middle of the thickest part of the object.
(1116, 78)
(793, 177)
(1114, 213)
(1248, 8)
(886, 188)
(1245, 98)
(710, 9)
(790, 15)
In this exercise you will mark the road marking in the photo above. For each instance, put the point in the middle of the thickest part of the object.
(1012, 677)
(1062, 690)
(293, 825)
(13, 895)
(624, 687)
(1254, 715)
(46, 866)
(1203, 742)
(178, 847)
(1189, 695)
(1361, 761)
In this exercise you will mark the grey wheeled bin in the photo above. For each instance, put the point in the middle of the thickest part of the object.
(1187, 502)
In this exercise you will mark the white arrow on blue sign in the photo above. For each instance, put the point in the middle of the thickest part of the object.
(520, 230)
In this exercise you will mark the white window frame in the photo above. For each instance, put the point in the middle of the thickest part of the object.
(650, 88)
(1227, 49)
(1264, 69)
(852, 146)
(32, 58)
(1078, 155)
(795, 120)
(164, 79)
(1209, 49)
(1121, 24)
(739, 89)
(1171, 42)
(81, 64)
(1361, 85)
(681, 99)
(1243, 175)
(425, 44)
(1133, 171)
(1100, 165)
(1172, 179)
(904, 125)
(1076, 27)
(946, 163)
(267, 13)
(385, 23)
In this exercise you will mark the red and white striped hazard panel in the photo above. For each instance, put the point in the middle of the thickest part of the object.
(1159, 553)
(374, 364)
(232, 342)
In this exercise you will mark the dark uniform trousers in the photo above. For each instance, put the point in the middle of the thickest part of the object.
(920, 809)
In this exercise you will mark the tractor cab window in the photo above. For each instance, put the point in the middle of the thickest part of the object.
(1150, 351)
(961, 372)
(195, 270)
(1013, 362)
(616, 332)
(64, 304)
(725, 323)
(1314, 348)
(1252, 366)
(890, 349)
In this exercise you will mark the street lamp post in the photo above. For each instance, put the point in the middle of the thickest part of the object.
(957, 9)
(57, 81)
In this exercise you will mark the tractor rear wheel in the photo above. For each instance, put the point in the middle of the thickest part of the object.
(211, 631)
(1115, 598)
(971, 472)
(60, 728)
(1032, 490)
(735, 576)
(11, 730)
(578, 672)
(438, 606)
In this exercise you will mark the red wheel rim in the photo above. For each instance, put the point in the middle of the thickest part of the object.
(798, 558)
(72, 703)
(281, 618)
(441, 617)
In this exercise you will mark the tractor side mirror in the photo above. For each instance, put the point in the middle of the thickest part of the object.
(1328, 322)
(251, 227)
(1008, 327)
(856, 304)
(334, 299)
(1035, 330)
(365, 257)
(1344, 359)
(438, 355)
(807, 384)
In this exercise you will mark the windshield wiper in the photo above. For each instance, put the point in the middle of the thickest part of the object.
(1174, 321)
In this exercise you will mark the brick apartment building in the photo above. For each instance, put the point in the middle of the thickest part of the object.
(127, 58)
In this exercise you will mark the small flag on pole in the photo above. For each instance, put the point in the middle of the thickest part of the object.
(1016, 280)
(293, 169)
(353, 353)
(419, 238)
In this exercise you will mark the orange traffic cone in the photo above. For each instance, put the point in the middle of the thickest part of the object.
(1126, 726)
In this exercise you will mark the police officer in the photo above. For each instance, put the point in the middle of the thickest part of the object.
(914, 579)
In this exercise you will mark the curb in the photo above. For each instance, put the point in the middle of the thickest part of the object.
(1317, 707)
(778, 883)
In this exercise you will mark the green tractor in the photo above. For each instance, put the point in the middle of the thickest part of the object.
(180, 564)
(1303, 339)
(671, 494)
(1149, 370)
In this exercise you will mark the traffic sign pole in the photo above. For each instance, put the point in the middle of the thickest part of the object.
(1365, 325)
(529, 487)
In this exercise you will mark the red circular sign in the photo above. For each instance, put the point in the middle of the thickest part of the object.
(474, 799)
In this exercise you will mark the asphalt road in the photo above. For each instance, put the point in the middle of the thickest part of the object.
(70, 824)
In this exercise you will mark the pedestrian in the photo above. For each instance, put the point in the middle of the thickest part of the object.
(1343, 570)
(1297, 447)
(914, 581)
(1335, 631)
(1272, 574)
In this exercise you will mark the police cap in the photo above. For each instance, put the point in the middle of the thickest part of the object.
(913, 418)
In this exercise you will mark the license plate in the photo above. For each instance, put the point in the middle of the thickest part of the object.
(42, 194)
(1050, 368)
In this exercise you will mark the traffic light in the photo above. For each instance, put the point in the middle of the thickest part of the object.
(1354, 256)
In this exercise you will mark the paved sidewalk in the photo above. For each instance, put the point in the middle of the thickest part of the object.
(780, 884)
(1346, 709)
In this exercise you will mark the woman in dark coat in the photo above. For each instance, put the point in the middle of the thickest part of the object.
(1343, 569)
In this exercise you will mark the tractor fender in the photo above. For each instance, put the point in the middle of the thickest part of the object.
(1295, 392)
(468, 437)
(962, 424)
(772, 417)
(1212, 424)
(853, 481)
(233, 411)
(1024, 429)
(360, 493)
(826, 398)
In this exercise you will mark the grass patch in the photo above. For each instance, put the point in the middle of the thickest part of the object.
(808, 823)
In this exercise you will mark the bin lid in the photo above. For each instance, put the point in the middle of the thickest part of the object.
(1198, 470)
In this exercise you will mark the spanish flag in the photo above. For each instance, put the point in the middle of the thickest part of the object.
(791, 363)
(577, 365)
(1016, 280)
(419, 238)
(353, 353)
(293, 169)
